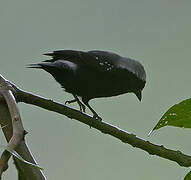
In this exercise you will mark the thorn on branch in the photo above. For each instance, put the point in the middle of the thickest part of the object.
(25, 132)
(16, 118)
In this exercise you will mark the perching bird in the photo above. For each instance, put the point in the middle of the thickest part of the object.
(94, 74)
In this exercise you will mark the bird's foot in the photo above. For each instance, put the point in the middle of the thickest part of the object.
(96, 117)
(71, 101)
(82, 106)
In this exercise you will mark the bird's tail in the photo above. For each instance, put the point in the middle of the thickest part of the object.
(38, 66)
(49, 60)
(49, 67)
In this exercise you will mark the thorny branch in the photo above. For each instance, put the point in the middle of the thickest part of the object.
(18, 130)
(15, 138)
(124, 136)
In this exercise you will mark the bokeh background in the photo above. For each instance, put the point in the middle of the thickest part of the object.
(157, 33)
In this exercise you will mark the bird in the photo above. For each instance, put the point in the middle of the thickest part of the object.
(94, 74)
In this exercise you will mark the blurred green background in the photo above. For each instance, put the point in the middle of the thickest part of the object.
(157, 33)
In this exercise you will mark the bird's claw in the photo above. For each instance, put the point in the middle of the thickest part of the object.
(96, 117)
(69, 102)
(82, 106)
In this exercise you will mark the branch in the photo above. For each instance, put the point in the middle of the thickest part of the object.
(14, 131)
(18, 130)
(125, 137)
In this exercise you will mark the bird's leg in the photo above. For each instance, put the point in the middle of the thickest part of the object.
(95, 115)
(76, 99)
(82, 106)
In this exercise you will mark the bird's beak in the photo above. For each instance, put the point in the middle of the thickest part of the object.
(138, 94)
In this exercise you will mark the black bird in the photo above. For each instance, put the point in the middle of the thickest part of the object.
(94, 74)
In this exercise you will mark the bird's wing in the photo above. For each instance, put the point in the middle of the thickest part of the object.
(118, 65)
(97, 60)
(101, 61)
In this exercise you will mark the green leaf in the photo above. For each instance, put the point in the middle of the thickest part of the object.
(14, 153)
(178, 115)
(188, 176)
